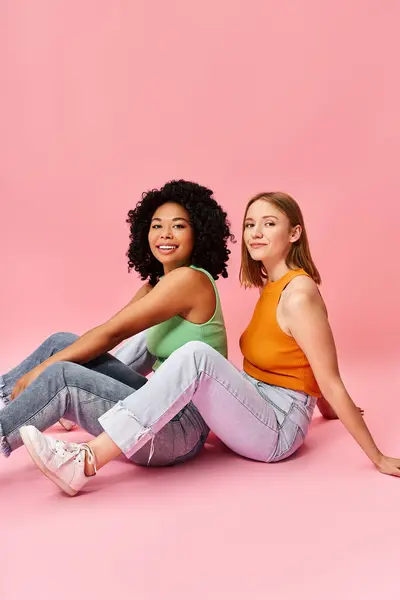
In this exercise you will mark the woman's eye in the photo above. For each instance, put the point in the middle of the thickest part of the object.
(156, 226)
(270, 224)
(179, 226)
(248, 225)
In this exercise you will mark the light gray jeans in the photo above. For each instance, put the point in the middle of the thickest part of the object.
(256, 420)
(84, 393)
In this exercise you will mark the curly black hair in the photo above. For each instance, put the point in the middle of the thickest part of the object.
(210, 226)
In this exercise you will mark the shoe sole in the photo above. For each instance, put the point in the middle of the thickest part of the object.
(24, 432)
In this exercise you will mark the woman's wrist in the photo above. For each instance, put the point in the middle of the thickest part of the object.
(46, 363)
(377, 458)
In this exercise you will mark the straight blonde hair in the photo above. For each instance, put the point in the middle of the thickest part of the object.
(252, 272)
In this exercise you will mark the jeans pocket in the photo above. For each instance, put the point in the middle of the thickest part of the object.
(279, 400)
(290, 439)
(306, 405)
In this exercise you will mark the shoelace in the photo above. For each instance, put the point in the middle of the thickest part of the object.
(75, 450)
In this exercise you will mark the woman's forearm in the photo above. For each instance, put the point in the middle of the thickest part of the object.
(326, 409)
(351, 418)
(90, 345)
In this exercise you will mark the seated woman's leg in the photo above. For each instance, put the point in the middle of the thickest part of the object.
(73, 391)
(112, 367)
(178, 441)
(106, 363)
(228, 402)
(129, 364)
(135, 354)
(133, 363)
(62, 390)
(52, 345)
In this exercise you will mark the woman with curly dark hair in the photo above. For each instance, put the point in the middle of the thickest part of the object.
(179, 237)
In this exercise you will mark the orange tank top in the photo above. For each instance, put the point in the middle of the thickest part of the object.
(271, 355)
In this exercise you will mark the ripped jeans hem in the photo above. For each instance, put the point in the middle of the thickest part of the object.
(4, 397)
(5, 448)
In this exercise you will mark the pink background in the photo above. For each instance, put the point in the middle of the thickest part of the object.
(101, 100)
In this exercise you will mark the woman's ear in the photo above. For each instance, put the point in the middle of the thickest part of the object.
(296, 233)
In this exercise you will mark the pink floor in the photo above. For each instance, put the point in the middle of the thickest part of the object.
(322, 526)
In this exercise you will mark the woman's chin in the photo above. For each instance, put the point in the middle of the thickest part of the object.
(257, 255)
(171, 261)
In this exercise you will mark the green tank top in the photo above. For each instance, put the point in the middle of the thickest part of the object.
(166, 337)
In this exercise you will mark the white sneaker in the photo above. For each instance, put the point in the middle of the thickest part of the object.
(62, 462)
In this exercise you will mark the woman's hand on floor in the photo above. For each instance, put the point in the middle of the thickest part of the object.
(389, 466)
(26, 380)
(327, 411)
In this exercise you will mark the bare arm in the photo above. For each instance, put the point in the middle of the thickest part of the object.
(306, 316)
(141, 293)
(176, 293)
(326, 409)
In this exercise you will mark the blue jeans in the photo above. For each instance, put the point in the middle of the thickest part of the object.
(84, 393)
(254, 419)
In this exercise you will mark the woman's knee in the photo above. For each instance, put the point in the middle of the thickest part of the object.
(196, 349)
(61, 340)
(62, 368)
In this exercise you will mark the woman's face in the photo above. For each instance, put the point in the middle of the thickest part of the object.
(267, 232)
(171, 236)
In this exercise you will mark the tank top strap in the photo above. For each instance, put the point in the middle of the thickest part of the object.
(275, 288)
(211, 278)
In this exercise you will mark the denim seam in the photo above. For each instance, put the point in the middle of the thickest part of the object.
(279, 408)
(5, 397)
(190, 418)
(276, 456)
(301, 432)
(4, 445)
(280, 426)
(200, 442)
(287, 414)
(52, 398)
(303, 412)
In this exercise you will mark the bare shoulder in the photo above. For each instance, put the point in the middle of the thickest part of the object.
(193, 291)
(187, 279)
(302, 293)
(142, 292)
(146, 288)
